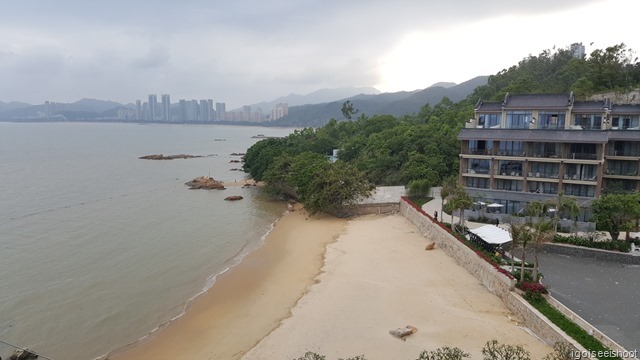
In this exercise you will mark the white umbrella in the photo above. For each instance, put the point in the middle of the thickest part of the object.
(495, 205)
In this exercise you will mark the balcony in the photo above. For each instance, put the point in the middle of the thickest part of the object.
(517, 153)
(476, 151)
(479, 170)
(583, 156)
(547, 154)
(577, 177)
(533, 176)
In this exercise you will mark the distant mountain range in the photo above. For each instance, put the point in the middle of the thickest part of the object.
(313, 109)
(396, 104)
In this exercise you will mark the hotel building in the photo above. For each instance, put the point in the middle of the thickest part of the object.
(532, 146)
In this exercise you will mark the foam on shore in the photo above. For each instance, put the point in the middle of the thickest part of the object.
(249, 301)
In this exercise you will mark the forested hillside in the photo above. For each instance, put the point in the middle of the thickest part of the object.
(388, 150)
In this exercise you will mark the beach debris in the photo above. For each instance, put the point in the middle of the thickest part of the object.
(401, 333)
(169, 157)
(430, 245)
(205, 182)
(233, 198)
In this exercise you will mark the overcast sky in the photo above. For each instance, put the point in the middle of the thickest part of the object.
(247, 51)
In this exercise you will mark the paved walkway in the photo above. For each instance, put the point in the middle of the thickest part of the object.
(605, 294)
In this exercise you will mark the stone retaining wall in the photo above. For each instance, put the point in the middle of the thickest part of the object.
(496, 282)
(597, 254)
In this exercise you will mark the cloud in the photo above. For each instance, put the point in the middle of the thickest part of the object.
(248, 51)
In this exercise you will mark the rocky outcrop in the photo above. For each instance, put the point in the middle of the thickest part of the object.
(233, 198)
(169, 157)
(22, 354)
(205, 182)
(238, 154)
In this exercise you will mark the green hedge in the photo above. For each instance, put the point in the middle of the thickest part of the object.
(619, 245)
(572, 329)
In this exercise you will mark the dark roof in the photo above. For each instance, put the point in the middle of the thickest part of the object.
(583, 136)
(590, 106)
(537, 101)
(625, 109)
(629, 135)
(488, 106)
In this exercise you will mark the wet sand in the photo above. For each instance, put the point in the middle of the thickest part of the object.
(249, 301)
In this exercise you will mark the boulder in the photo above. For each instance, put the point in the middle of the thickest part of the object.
(233, 198)
(205, 182)
(403, 332)
(430, 245)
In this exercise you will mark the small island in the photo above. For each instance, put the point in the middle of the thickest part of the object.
(169, 157)
(205, 182)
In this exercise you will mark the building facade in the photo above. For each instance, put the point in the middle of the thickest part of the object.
(533, 146)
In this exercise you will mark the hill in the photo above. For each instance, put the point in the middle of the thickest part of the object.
(396, 104)
(317, 97)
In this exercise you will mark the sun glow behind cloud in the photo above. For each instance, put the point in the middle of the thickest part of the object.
(457, 54)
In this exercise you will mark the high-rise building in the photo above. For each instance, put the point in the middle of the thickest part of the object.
(166, 108)
(221, 111)
(153, 105)
(281, 110)
(139, 110)
(206, 110)
(578, 50)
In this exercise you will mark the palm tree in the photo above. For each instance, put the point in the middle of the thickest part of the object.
(448, 187)
(520, 235)
(459, 199)
(542, 232)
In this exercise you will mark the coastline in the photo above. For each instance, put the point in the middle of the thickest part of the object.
(250, 300)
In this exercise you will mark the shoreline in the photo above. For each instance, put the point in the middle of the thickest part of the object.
(250, 300)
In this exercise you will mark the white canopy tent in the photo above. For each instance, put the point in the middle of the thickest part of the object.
(492, 234)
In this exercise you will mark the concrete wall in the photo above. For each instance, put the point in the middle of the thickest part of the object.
(378, 209)
(597, 254)
(496, 282)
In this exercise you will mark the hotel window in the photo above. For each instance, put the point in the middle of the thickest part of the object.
(624, 168)
(580, 190)
(480, 147)
(624, 148)
(544, 170)
(511, 148)
(510, 168)
(625, 122)
(547, 150)
(543, 187)
(587, 121)
(581, 172)
(508, 185)
(478, 183)
(551, 120)
(479, 166)
(488, 121)
(518, 119)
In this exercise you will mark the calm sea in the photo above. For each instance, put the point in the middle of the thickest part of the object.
(98, 247)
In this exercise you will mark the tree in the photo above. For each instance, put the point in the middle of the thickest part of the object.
(336, 189)
(616, 212)
(444, 353)
(348, 110)
(520, 236)
(493, 350)
(460, 200)
(448, 186)
(540, 230)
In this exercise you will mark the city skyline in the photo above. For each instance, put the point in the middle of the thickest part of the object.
(250, 51)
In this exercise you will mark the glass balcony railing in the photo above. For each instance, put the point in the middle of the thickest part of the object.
(479, 170)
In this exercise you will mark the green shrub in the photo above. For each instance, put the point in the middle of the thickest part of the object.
(593, 242)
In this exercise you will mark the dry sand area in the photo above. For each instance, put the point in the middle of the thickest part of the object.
(378, 277)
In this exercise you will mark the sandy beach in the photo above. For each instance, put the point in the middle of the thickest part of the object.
(337, 287)
(378, 277)
(248, 302)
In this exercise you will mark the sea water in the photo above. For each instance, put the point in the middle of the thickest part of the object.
(98, 247)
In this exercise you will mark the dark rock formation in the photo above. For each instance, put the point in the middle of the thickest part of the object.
(205, 182)
(233, 198)
(22, 354)
(169, 157)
